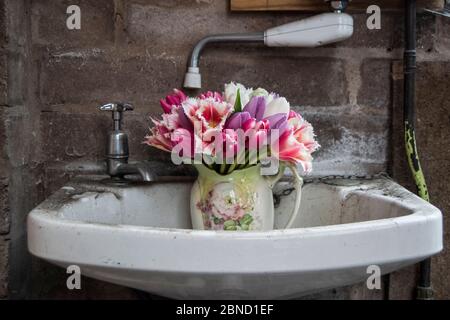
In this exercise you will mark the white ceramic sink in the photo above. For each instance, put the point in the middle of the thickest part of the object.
(139, 236)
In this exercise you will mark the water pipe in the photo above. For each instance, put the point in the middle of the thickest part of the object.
(424, 289)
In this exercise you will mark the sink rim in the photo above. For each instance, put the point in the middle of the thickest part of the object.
(419, 209)
(43, 215)
(302, 239)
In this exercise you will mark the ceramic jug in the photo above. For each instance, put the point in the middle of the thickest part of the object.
(239, 201)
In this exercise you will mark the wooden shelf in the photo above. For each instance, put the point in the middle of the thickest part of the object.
(320, 5)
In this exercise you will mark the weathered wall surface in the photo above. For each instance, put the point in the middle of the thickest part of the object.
(21, 170)
(434, 119)
(4, 211)
(137, 50)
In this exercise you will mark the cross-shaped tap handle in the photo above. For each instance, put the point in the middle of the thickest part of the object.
(117, 108)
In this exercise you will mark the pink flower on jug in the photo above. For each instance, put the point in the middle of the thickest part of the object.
(225, 204)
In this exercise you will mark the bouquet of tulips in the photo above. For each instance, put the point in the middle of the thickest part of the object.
(234, 130)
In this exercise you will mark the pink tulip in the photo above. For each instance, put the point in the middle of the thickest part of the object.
(182, 138)
(230, 143)
(297, 143)
(211, 94)
(209, 114)
(184, 122)
(303, 131)
(172, 129)
(172, 100)
(256, 132)
(249, 124)
(290, 150)
(224, 145)
(252, 123)
(159, 137)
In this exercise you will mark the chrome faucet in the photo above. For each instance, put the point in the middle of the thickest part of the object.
(117, 152)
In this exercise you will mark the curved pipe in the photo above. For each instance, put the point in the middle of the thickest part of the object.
(230, 37)
(193, 78)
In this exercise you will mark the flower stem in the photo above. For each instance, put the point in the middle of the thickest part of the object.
(232, 167)
(223, 168)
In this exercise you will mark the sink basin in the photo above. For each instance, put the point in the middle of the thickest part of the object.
(139, 236)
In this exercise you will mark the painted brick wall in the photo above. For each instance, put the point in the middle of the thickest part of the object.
(137, 50)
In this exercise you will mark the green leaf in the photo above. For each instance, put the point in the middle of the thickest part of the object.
(238, 103)
(246, 219)
(229, 223)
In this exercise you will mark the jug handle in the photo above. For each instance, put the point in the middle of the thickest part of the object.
(298, 183)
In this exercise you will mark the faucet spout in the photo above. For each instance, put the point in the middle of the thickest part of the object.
(122, 169)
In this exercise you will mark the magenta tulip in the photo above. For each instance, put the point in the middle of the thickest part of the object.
(172, 100)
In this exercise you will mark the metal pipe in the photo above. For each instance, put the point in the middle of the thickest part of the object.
(230, 37)
(410, 64)
(424, 289)
(192, 78)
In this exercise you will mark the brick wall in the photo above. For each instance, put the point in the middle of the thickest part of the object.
(137, 50)
(4, 210)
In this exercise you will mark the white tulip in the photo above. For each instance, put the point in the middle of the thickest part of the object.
(277, 105)
(269, 98)
(260, 92)
(231, 93)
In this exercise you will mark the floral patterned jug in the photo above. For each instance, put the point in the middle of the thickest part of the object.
(242, 200)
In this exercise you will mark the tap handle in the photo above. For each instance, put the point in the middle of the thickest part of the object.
(117, 108)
